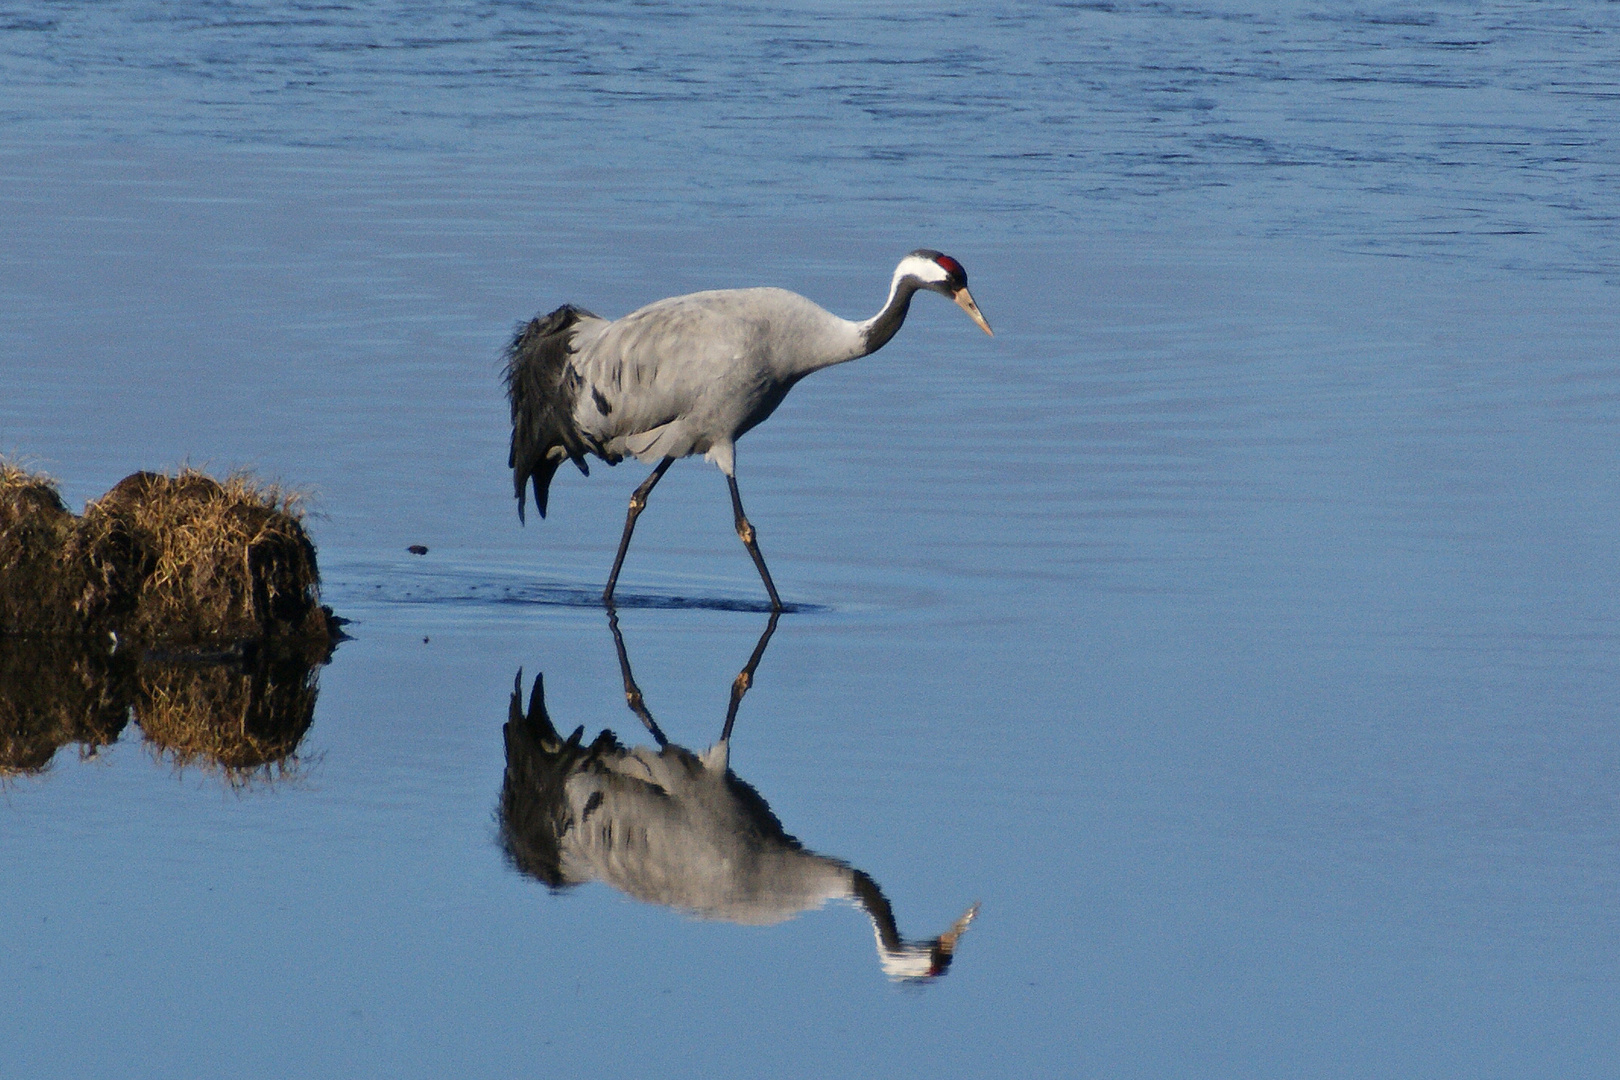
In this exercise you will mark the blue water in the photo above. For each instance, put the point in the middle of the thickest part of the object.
(1238, 626)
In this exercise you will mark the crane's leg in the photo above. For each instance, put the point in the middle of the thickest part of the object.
(745, 678)
(745, 533)
(632, 692)
(638, 503)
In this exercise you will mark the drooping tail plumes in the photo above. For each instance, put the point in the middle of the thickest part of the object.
(542, 387)
(534, 815)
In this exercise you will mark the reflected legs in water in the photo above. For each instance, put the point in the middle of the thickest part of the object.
(739, 686)
(632, 692)
(745, 677)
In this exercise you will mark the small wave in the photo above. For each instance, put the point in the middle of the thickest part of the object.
(462, 591)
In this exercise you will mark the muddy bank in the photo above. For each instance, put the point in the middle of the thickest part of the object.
(181, 562)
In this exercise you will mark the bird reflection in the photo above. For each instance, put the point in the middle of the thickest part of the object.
(673, 827)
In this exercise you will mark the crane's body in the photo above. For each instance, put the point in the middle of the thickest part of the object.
(686, 375)
(691, 374)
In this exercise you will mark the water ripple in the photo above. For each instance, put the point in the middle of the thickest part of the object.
(1347, 126)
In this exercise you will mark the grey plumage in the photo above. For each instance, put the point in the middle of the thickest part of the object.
(677, 828)
(665, 825)
(687, 375)
(543, 388)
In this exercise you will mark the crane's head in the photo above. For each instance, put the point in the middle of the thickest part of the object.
(944, 275)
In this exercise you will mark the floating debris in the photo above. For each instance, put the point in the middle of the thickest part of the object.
(417, 549)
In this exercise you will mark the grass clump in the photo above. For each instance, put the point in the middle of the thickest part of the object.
(246, 720)
(188, 560)
(183, 561)
(35, 528)
(241, 718)
(53, 692)
(189, 604)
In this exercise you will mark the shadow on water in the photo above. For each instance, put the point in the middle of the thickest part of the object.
(565, 596)
(242, 717)
(480, 587)
(675, 827)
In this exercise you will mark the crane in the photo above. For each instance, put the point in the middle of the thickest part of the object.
(677, 827)
(686, 375)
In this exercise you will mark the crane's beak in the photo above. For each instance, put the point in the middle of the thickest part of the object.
(964, 300)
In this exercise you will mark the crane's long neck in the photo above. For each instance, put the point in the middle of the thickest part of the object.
(877, 330)
(835, 341)
(902, 959)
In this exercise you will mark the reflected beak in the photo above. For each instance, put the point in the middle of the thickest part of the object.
(964, 300)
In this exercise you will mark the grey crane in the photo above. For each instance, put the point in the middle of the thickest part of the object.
(678, 828)
(687, 375)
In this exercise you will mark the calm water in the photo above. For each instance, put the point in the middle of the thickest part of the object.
(1237, 627)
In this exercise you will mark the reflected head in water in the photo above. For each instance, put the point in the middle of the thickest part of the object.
(675, 827)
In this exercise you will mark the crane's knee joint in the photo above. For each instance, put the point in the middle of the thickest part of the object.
(745, 532)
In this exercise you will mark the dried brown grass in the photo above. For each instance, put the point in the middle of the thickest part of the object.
(53, 693)
(176, 561)
(245, 721)
(241, 719)
(35, 527)
(188, 560)
(94, 610)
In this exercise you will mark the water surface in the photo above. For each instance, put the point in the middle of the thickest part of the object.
(1237, 626)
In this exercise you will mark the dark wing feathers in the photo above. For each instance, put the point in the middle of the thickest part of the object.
(542, 387)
